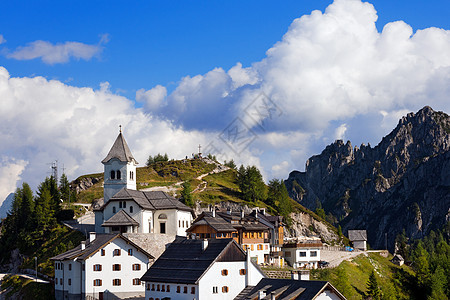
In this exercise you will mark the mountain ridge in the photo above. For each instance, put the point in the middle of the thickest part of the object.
(402, 183)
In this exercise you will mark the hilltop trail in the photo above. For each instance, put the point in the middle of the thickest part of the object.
(200, 188)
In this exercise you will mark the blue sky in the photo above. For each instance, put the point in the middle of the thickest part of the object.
(158, 42)
(176, 74)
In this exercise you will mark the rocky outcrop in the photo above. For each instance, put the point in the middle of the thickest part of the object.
(85, 182)
(402, 183)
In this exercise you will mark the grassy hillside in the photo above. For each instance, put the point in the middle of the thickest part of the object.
(351, 277)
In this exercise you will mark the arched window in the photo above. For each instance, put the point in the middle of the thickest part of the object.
(113, 174)
(118, 174)
(162, 216)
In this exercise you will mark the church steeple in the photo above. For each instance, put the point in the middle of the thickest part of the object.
(119, 168)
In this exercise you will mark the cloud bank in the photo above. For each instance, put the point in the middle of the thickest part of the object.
(332, 75)
(58, 53)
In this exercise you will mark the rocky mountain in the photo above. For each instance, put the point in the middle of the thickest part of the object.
(402, 183)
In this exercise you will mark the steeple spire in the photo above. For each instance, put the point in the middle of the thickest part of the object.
(120, 150)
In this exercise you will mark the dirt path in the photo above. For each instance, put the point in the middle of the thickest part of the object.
(200, 188)
(336, 257)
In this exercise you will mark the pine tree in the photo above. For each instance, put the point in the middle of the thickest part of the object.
(186, 195)
(278, 197)
(373, 291)
(251, 183)
(64, 187)
(438, 284)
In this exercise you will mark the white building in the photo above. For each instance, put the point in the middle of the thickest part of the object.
(123, 209)
(201, 270)
(107, 266)
(303, 254)
(358, 239)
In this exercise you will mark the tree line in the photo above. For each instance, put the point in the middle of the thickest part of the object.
(32, 217)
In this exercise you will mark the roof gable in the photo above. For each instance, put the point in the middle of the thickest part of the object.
(184, 261)
(101, 240)
(120, 219)
(357, 235)
(120, 150)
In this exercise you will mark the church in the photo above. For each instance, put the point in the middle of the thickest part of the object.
(132, 228)
(126, 210)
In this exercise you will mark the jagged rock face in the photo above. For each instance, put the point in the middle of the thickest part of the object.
(402, 183)
(82, 184)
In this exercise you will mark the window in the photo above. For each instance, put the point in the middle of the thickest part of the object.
(163, 288)
(131, 175)
(97, 282)
(114, 209)
(178, 289)
(70, 281)
(120, 204)
(224, 272)
(102, 252)
(117, 282)
(130, 252)
(193, 290)
(313, 253)
(215, 290)
(148, 286)
(82, 267)
(158, 288)
(124, 204)
(118, 174)
(113, 175)
(56, 281)
(185, 290)
(302, 254)
(70, 267)
(168, 288)
(131, 209)
(97, 267)
(136, 281)
(224, 289)
(153, 287)
(116, 267)
(136, 267)
(260, 247)
(179, 223)
(60, 281)
(162, 216)
(116, 252)
(242, 272)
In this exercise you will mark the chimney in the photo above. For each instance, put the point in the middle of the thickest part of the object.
(91, 237)
(294, 275)
(83, 245)
(272, 296)
(263, 211)
(304, 275)
(204, 244)
(261, 294)
(214, 212)
(242, 213)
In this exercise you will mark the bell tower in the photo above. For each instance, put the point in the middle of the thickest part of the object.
(119, 168)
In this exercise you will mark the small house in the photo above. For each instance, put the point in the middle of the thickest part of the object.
(358, 239)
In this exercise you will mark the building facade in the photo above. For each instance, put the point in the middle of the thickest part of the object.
(106, 266)
(303, 254)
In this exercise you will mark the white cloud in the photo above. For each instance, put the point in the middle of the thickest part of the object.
(10, 171)
(152, 98)
(330, 75)
(58, 53)
(2, 39)
(339, 134)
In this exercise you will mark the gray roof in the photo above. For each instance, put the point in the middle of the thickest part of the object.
(120, 219)
(151, 200)
(120, 150)
(287, 289)
(357, 235)
(100, 241)
(184, 261)
(217, 223)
